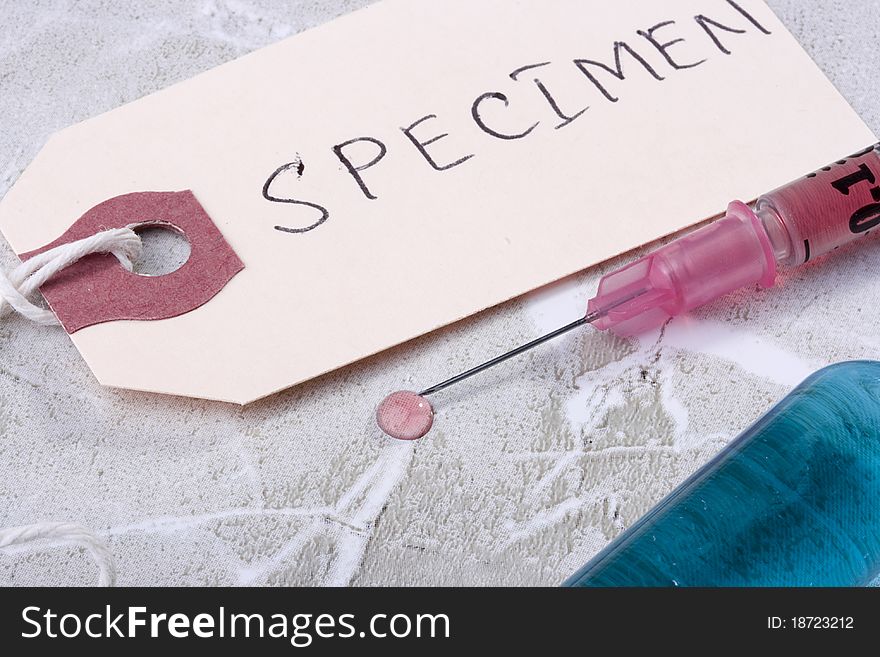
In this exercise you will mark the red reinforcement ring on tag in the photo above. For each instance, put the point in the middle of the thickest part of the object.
(98, 289)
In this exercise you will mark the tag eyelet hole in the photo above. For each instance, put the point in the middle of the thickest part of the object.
(165, 249)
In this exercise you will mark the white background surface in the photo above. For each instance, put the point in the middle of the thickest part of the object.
(532, 468)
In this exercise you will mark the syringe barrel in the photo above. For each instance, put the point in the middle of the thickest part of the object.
(825, 209)
(788, 226)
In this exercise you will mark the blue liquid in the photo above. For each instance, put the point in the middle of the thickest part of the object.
(794, 501)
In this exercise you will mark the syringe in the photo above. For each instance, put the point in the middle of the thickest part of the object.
(787, 227)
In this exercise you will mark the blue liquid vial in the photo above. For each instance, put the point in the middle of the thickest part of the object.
(793, 501)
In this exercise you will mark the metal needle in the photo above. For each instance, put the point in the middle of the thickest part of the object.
(589, 318)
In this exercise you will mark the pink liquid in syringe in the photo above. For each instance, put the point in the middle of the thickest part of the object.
(825, 209)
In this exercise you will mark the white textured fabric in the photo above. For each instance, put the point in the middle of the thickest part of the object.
(531, 468)
(65, 532)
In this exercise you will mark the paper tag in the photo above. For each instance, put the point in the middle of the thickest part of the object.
(417, 161)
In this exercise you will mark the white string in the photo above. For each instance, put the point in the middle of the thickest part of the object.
(66, 531)
(15, 288)
(24, 280)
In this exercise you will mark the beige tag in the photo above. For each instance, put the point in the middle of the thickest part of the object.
(420, 160)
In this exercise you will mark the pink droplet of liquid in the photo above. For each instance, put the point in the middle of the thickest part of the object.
(405, 415)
